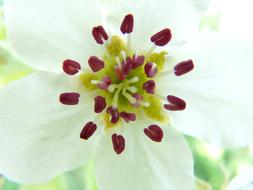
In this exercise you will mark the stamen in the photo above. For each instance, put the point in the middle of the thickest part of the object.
(118, 142)
(161, 97)
(107, 54)
(127, 24)
(114, 114)
(119, 72)
(123, 54)
(104, 84)
(88, 130)
(127, 66)
(149, 86)
(164, 73)
(100, 104)
(129, 43)
(71, 98)
(154, 132)
(128, 116)
(118, 69)
(137, 61)
(96, 64)
(150, 70)
(162, 38)
(138, 99)
(118, 60)
(150, 51)
(183, 67)
(71, 67)
(176, 104)
(99, 34)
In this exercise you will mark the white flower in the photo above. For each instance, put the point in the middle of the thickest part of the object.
(126, 130)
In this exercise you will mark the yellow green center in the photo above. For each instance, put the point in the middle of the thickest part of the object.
(120, 92)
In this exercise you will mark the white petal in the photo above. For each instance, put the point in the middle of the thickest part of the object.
(201, 5)
(218, 92)
(39, 137)
(243, 181)
(237, 24)
(47, 32)
(151, 17)
(145, 164)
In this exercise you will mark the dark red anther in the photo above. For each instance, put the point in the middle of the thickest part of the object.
(71, 67)
(114, 114)
(127, 66)
(183, 67)
(128, 116)
(96, 64)
(71, 98)
(137, 61)
(127, 24)
(162, 38)
(138, 99)
(100, 104)
(123, 69)
(99, 34)
(88, 130)
(175, 104)
(154, 132)
(149, 86)
(118, 142)
(150, 70)
(105, 83)
(119, 73)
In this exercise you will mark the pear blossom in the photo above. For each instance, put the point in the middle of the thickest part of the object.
(112, 81)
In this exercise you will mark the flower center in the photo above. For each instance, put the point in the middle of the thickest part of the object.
(125, 82)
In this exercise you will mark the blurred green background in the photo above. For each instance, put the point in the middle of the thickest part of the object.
(214, 167)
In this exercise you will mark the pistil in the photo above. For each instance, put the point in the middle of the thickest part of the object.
(128, 96)
(116, 95)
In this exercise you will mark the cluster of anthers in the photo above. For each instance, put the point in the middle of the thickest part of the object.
(124, 83)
